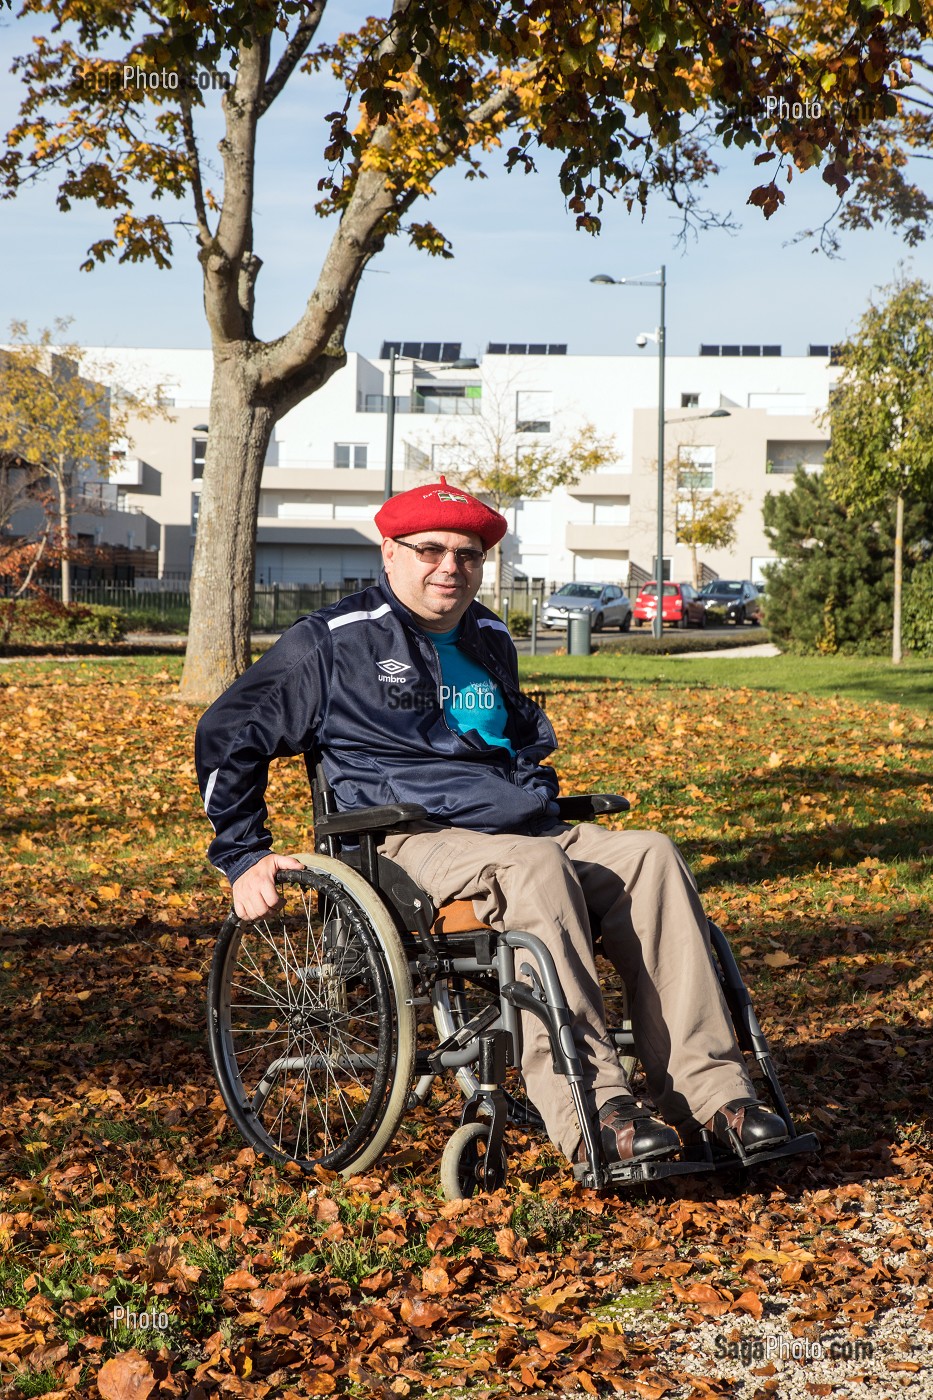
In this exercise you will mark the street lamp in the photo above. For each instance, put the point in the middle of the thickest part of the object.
(390, 411)
(390, 428)
(602, 279)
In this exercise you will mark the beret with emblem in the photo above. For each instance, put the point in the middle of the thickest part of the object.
(440, 507)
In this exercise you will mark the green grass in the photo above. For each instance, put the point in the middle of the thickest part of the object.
(857, 678)
(30, 1382)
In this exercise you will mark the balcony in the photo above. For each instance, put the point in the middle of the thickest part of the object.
(598, 539)
(446, 404)
(326, 479)
(616, 484)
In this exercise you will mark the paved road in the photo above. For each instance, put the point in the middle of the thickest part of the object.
(549, 639)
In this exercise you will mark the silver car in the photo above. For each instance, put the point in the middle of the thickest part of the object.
(609, 606)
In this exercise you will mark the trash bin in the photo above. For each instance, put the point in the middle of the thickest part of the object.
(578, 633)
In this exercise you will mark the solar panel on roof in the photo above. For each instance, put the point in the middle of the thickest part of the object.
(450, 350)
(388, 346)
(412, 348)
(496, 347)
(557, 349)
(537, 349)
(518, 349)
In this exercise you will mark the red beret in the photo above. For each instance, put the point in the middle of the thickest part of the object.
(440, 507)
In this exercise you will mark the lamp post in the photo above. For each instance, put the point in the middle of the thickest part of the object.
(658, 336)
(390, 428)
(603, 280)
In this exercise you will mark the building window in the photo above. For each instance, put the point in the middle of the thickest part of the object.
(533, 411)
(195, 510)
(784, 455)
(690, 401)
(695, 468)
(198, 454)
(350, 454)
(611, 513)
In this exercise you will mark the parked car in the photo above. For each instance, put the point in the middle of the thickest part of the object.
(609, 606)
(737, 600)
(680, 605)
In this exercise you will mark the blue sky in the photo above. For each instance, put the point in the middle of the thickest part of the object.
(521, 270)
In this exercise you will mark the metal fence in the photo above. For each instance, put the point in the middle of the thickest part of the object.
(275, 605)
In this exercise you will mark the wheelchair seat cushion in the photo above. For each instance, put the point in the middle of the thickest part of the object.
(457, 917)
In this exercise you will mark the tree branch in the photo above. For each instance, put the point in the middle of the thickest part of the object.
(194, 158)
(358, 237)
(295, 51)
(223, 259)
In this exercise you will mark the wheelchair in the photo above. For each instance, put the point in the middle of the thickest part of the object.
(313, 1017)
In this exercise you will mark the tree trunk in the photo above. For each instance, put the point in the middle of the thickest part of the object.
(223, 570)
(498, 602)
(64, 523)
(695, 567)
(898, 580)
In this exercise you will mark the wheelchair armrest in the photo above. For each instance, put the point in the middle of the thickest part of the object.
(591, 804)
(369, 819)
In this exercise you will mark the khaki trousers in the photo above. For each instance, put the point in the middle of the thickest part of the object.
(653, 930)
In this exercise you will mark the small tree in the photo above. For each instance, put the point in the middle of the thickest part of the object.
(831, 589)
(63, 422)
(497, 461)
(881, 416)
(706, 519)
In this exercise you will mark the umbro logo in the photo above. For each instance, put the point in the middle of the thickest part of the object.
(392, 670)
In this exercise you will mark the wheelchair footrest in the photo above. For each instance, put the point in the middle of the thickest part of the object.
(723, 1159)
(632, 1173)
(697, 1159)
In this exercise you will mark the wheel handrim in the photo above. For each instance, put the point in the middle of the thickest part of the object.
(307, 1026)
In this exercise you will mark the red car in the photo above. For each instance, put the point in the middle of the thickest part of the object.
(681, 606)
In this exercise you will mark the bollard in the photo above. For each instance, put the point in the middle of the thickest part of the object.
(578, 633)
(505, 611)
(534, 627)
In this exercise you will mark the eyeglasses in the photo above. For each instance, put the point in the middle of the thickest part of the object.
(435, 553)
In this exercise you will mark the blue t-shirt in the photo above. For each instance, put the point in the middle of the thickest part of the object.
(470, 695)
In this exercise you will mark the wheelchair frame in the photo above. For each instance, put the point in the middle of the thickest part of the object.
(312, 1005)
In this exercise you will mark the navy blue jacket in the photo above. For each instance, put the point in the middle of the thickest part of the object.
(359, 682)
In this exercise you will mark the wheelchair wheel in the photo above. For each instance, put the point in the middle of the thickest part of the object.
(465, 1164)
(310, 1023)
(456, 1001)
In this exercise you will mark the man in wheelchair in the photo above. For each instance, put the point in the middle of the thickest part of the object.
(409, 692)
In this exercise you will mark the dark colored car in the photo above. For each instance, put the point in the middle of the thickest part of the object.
(680, 605)
(735, 600)
(606, 602)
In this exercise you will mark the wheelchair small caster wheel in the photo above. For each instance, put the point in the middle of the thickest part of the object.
(465, 1164)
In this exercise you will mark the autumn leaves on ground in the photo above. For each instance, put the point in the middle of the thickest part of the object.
(144, 1251)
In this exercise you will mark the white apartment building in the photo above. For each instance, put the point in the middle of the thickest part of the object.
(326, 468)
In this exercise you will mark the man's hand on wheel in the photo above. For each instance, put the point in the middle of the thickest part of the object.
(255, 893)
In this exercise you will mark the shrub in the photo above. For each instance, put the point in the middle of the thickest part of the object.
(520, 624)
(675, 643)
(917, 615)
(43, 620)
(832, 591)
